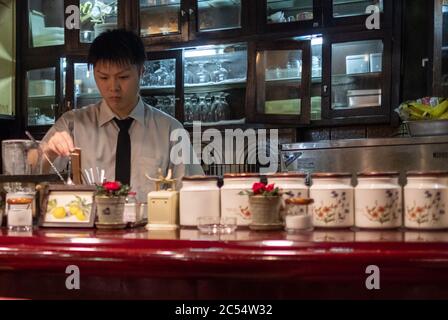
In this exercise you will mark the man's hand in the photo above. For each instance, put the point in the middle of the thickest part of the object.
(60, 144)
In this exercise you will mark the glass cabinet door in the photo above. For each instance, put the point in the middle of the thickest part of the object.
(46, 23)
(215, 84)
(85, 89)
(282, 11)
(283, 82)
(41, 94)
(281, 15)
(350, 8)
(160, 17)
(219, 15)
(158, 85)
(97, 17)
(357, 74)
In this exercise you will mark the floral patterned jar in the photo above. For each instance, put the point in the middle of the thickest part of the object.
(426, 200)
(333, 200)
(233, 204)
(378, 201)
(292, 183)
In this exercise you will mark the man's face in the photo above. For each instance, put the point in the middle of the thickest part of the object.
(118, 84)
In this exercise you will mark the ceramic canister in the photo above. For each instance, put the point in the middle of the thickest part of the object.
(292, 183)
(378, 201)
(426, 200)
(199, 196)
(233, 204)
(333, 200)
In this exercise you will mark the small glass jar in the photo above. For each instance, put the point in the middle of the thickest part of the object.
(292, 185)
(131, 212)
(378, 201)
(333, 200)
(233, 204)
(199, 196)
(19, 211)
(426, 200)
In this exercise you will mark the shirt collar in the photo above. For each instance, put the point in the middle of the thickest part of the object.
(106, 114)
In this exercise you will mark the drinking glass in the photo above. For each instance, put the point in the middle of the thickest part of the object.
(202, 75)
(220, 74)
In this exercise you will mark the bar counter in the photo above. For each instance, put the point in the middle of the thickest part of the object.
(185, 264)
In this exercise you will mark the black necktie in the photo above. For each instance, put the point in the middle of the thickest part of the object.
(123, 155)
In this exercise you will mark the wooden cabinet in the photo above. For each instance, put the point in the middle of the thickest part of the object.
(168, 21)
(288, 62)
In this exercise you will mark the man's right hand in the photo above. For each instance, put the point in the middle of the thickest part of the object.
(60, 144)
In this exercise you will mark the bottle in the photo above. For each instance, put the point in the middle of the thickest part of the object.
(131, 209)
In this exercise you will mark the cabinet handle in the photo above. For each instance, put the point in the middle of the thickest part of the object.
(182, 13)
(176, 99)
(325, 88)
(191, 11)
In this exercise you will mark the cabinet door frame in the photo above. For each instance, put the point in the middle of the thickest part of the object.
(179, 84)
(300, 26)
(357, 21)
(256, 74)
(35, 64)
(437, 88)
(247, 23)
(182, 36)
(385, 108)
(25, 39)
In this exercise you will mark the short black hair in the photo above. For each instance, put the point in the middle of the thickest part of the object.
(118, 46)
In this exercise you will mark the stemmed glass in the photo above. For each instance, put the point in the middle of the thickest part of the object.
(188, 109)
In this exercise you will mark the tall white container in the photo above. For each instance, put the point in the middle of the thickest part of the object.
(426, 200)
(378, 201)
(232, 203)
(294, 184)
(333, 205)
(199, 196)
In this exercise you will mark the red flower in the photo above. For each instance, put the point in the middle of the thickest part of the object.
(258, 187)
(270, 187)
(112, 185)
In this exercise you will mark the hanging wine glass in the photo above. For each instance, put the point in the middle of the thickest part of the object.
(202, 107)
(188, 109)
(216, 105)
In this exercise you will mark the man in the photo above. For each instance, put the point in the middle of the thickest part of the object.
(120, 134)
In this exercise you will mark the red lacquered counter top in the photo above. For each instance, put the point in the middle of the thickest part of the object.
(185, 264)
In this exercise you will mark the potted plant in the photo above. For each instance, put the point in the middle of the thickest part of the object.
(264, 202)
(110, 198)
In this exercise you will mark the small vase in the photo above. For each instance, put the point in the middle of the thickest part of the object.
(265, 212)
(110, 212)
